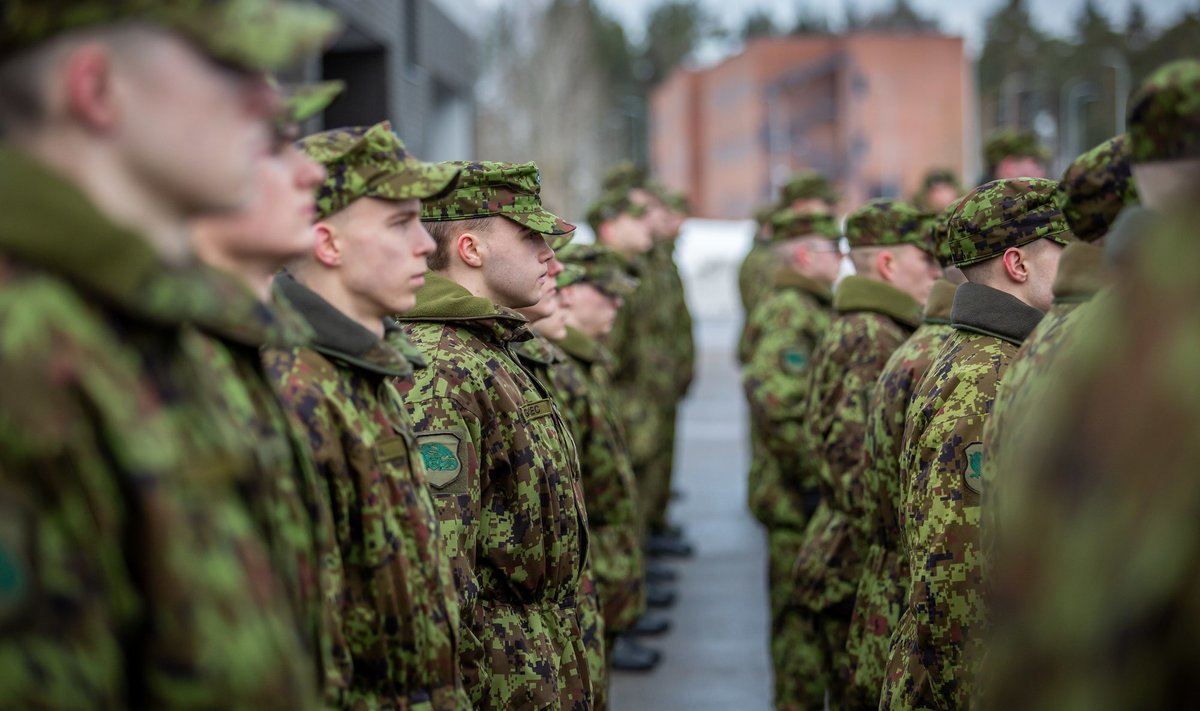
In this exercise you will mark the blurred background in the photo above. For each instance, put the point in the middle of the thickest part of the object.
(723, 100)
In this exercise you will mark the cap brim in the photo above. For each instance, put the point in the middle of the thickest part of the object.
(307, 100)
(542, 221)
(420, 180)
(620, 285)
(265, 35)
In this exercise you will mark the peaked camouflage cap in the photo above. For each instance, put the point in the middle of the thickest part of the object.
(1164, 114)
(597, 265)
(886, 222)
(492, 189)
(1003, 214)
(623, 177)
(609, 205)
(1096, 187)
(807, 185)
(1006, 142)
(788, 224)
(938, 176)
(371, 161)
(256, 34)
(303, 101)
(939, 234)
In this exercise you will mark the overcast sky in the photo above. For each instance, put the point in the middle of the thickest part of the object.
(965, 17)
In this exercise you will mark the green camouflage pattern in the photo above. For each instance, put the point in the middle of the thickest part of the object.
(135, 576)
(597, 265)
(1164, 114)
(1003, 214)
(939, 234)
(1096, 187)
(490, 189)
(396, 636)
(885, 222)
(259, 34)
(754, 282)
(371, 161)
(788, 224)
(807, 185)
(610, 205)
(1105, 489)
(1008, 143)
(934, 649)
(872, 320)
(623, 177)
(883, 587)
(509, 499)
(567, 387)
(304, 101)
(789, 323)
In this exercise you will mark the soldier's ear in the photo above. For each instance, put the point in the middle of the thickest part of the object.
(88, 86)
(326, 248)
(1014, 265)
(470, 249)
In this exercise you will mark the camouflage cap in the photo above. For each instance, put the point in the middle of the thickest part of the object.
(1164, 114)
(1096, 187)
(303, 101)
(939, 176)
(939, 234)
(597, 265)
(886, 222)
(788, 224)
(1003, 214)
(611, 204)
(371, 161)
(256, 34)
(491, 189)
(1006, 142)
(807, 185)
(623, 177)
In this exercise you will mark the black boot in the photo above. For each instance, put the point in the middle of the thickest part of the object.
(628, 655)
(659, 595)
(649, 625)
(659, 573)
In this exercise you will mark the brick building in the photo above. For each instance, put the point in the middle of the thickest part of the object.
(873, 111)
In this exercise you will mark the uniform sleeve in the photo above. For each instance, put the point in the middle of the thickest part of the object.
(776, 379)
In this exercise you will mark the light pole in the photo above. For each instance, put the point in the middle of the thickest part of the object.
(1116, 61)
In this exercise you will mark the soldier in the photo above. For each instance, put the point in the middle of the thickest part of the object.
(939, 190)
(133, 574)
(250, 245)
(791, 319)
(1006, 236)
(1014, 154)
(395, 634)
(875, 311)
(500, 457)
(1104, 600)
(883, 586)
(591, 293)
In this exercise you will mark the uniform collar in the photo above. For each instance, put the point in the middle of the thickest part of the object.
(856, 293)
(578, 345)
(982, 309)
(787, 278)
(941, 299)
(1081, 273)
(539, 350)
(443, 300)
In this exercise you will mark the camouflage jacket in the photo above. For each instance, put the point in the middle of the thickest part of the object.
(134, 575)
(754, 280)
(872, 320)
(883, 585)
(609, 487)
(672, 320)
(396, 640)
(791, 319)
(505, 476)
(941, 463)
(640, 367)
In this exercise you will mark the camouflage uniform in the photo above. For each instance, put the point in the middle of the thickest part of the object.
(871, 320)
(134, 576)
(789, 323)
(931, 658)
(504, 471)
(396, 637)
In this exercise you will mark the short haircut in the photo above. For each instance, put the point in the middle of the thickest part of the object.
(863, 258)
(444, 232)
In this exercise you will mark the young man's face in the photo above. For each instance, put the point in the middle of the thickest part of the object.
(658, 218)
(554, 324)
(383, 248)
(914, 271)
(547, 303)
(1011, 167)
(190, 129)
(516, 263)
(590, 310)
(941, 196)
(1042, 263)
(627, 234)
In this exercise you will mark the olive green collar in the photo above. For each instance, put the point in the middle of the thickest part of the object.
(982, 309)
(856, 293)
(338, 336)
(50, 224)
(250, 322)
(787, 278)
(1082, 272)
(941, 299)
(441, 300)
(538, 350)
(579, 345)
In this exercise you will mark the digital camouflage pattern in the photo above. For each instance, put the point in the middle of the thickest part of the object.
(504, 473)
(396, 633)
(871, 320)
(807, 185)
(567, 387)
(788, 224)
(885, 222)
(1164, 114)
(371, 161)
(791, 320)
(883, 587)
(610, 205)
(261, 34)
(135, 576)
(1003, 214)
(304, 101)
(934, 648)
(490, 189)
(1008, 143)
(1096, 187)
(597, 265)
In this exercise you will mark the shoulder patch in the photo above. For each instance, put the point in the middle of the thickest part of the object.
(16, 560)
(794, 360)
(538, 408)
(973, 472)
(441, 453)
